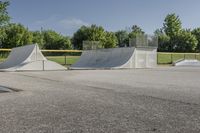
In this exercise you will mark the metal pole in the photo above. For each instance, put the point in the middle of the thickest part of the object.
(36, 52)
(43, 65)
(65, 60)
(171, 58)
(157, 58)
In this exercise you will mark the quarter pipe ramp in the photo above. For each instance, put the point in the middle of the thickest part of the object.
(113, 58)
(27, 58)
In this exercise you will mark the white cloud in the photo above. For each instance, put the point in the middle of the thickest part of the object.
(62, 25)
(72, 23)
(49, 20)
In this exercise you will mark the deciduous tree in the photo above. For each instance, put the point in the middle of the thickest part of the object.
(4, 17)
(122, 37)
(110, 41)
(16, 35)
(196, 33)
(163, 40)
(94, 33)
(53, 40)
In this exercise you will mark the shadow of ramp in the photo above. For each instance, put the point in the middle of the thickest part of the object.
(5, 89)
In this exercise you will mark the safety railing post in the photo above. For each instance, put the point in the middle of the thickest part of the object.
(157, 57)
(65, 60)
(171, 58)
(43, 65)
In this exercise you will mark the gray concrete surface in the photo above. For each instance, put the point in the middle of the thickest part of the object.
(102, 101)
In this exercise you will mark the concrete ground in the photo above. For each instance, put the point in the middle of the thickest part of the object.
(102, 101)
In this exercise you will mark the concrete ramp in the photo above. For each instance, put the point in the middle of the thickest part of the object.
(194, 63)
(105, 58)
(27, 58)
(114, 58)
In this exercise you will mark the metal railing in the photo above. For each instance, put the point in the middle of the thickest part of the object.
(169, 58)
(64, 57)
(45, 50)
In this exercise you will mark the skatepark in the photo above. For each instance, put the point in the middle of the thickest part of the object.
(116, 95)
(141, 53)
(99, 66)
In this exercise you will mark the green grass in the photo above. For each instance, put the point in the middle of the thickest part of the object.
(2, 59)
(163, 58)
(61, 59)
(168, 58)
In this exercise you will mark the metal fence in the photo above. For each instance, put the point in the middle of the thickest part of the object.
(92, 45)
(169, 58)
(144, 41)
(63, 57)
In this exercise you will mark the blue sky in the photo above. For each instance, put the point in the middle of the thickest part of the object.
(66, 16)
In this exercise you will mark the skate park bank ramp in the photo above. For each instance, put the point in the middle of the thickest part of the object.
(28, 58)
(114, 58)
(187, 62)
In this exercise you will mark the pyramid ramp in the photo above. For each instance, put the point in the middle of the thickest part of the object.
(28, 58)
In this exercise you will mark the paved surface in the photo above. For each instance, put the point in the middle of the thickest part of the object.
(102, 101)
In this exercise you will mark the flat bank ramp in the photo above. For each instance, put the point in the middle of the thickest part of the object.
(187, 62)
(106, 59)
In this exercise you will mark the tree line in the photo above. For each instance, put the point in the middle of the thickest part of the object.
(171, 37)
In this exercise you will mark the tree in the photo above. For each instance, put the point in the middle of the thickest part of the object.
(79, 36)
(110, 41)
(64, 43)
(38, 38)
(163, 40)
(185, 42)
(2, 35)
(122, 37)
(4, 18)
(53, 40)
(90, 33)
(180, 40)
(16, 35)
(196, 33)
(96, 33)
(172, 25)
(136, 30)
